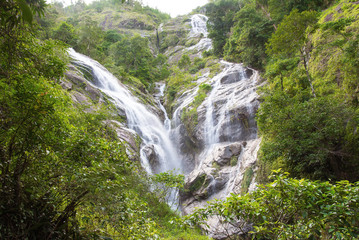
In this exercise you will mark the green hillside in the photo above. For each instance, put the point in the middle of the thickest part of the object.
(69, 169)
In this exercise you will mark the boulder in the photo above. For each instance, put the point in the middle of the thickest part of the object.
(152, 157)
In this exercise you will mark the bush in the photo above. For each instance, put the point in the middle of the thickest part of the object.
(289, 208)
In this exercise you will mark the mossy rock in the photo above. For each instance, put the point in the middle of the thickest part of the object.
(234, 160)
(201, 181)
(247, 179)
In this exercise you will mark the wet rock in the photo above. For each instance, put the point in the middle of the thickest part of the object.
(249, 72)
(232, 77)
(80, 98)
(121, 111)
(238, 125)
(75, 77)
(152, 157)
(196, 187)
(66, 85)
(128, 137)
(225, 154)
(93, 93)
(135, 24)
(221, 181)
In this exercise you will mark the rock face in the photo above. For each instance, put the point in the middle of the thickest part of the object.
(91, 98)
(220, 152)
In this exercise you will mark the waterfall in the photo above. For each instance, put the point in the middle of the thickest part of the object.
(160, 87)
(224, 143)
(225, 137)
(199, 27)
(199, 24)
(231, 87)
(155, 137)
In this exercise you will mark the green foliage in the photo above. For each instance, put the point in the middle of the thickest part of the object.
(112, 36)
(250, 32)
(321, 130)
(279, 9)
(199, 182)
(166, 183)
(66, 33)
(290, 35)
(63, 171)
(310, 135)
(247, 179)
(335, 55)
(189, 115)
(134, 55)
(220, 14)
(17, 12)
(176, 83)
(90, 36)
(184, 62)
(177, 233)
(198, 64)
(289, 209)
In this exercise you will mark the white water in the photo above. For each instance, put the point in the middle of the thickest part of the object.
(161, 92)
(199, 26)
(223, 97)
(233, 95)
(139, 118)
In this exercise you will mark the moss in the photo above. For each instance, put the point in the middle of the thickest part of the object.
(234, 160)
(215, 69)
(331, 65)
(138, 140)
(217, 168)
(199, 182)
(247, 179)
(245, 122)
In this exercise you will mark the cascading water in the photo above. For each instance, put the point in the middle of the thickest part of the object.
(225, 135)
(199, 24)
(161, 92)
(151, 130)
(199, 27)
(231, 87)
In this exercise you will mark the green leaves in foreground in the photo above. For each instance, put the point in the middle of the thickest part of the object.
(290, 209)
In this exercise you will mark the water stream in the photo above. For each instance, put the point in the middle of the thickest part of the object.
(226, 121)
(155, 137)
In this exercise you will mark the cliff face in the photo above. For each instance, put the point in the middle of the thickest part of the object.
(215, 130)
(212, 136)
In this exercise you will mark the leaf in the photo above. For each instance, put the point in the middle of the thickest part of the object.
(26, 12)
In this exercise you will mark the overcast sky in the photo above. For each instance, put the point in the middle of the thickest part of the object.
(173, 7)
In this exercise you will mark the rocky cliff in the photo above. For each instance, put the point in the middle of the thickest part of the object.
(212, 136)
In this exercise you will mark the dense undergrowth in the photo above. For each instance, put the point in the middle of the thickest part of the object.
(287, 208)
(64, 174)
(308, 53)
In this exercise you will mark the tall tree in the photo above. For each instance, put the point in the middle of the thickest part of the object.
(291, 39)
(220, 14)
(249, 34)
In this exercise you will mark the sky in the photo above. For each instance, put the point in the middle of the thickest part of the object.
(173, 7)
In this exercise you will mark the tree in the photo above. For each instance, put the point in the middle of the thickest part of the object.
(309, 138)
(90, 35)
(66, 33)
(220, 20)
(291, 39)
(184, 62)
(287, 208)
(249, 34)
